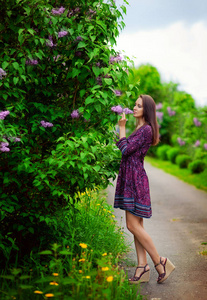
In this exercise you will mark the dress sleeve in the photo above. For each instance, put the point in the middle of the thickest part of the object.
(138, 143)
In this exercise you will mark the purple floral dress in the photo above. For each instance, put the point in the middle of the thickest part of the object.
(132, 190)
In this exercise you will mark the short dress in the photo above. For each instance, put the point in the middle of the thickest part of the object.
(132, 189)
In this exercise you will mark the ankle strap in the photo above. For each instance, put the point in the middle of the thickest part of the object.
(159, 263)
(142, 267)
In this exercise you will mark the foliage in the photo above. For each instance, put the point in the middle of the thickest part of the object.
(83, 265)
(197, 166)
(162, 151)
(182, 160)
(172, 153)
(58, 78)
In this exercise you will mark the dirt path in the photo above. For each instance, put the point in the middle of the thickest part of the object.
(178, 227)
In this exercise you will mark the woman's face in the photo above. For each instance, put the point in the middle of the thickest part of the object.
(138, 108)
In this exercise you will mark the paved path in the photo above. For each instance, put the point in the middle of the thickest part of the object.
(178, 227)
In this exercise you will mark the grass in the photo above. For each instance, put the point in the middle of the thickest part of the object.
(85, 267)
(198, 180)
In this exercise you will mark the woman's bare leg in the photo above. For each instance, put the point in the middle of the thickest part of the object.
(142, 238)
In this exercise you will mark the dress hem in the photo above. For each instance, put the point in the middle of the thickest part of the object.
(137, 215)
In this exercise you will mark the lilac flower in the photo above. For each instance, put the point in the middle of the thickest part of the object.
(196, 122)
(78, 53)
(159, 106)
(127, 111)
(197, 143)
(2, 73)
(170, 112)
(117, 92)
(3, 114)
(32, 62)
(205, 146)
(58, 11)
(98, 64)
(180, 141)
(62, 33)
(75, 114)
(56, 57)
(46, 124)
(117, 109)
(79, 38)
(50, 43)
(99, 80)
(115, 58)
(4, 144)
(73, 12)
(107, 76)
(4, 149)
(17, 140)
(159, 115)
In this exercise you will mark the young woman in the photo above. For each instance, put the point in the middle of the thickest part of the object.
(132, 190)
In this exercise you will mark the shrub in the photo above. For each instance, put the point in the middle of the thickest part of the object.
(162, 151)
(197, 166)
(183, 160)
(172, 153)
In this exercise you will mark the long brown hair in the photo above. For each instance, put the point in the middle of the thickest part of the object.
(149, 114)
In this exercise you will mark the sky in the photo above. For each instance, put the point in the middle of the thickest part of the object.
(171, 35)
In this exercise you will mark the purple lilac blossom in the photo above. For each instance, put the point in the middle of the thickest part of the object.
(117, 92)
(56, 57)
(170, 112)
(205, 146)
(16, 139)
(32, 62)
(180, 141)
(46, 124)
(4, 144)
(62, 33)
(49, 42)
(159, 106)
(75, 114)
(98, 64)
(58, 11)
(196, 122)
(116, 58)
(73, 12)
(2, 73)
(99, 80)
(197, 143)
(127, 111)
(117, 109)
(4, 149)
(159, 115)
(79, 38)
(3, 114)
(78, 53)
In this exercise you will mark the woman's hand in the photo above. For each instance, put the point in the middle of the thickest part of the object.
(122, 121)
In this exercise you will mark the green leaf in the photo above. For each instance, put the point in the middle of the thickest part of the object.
(15, 65)
(75, 72)
(98, 107)
(5, 64)
(31, 31)
(81, 45)
(15, 80)
(46, 252)
(89, 100)
(108, 81)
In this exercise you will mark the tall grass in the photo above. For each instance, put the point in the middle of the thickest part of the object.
(83, 266)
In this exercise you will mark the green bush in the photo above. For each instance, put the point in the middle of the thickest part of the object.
(182, 160)
(162, 151)
(197, 166)
(172, 153)
(58, 80)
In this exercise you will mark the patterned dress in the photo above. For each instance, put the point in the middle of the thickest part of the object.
(132, 190)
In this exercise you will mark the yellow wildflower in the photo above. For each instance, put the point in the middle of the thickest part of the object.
(98, 204)
(53, 283)
(104, 209)
(80, 271)
(104, 254)
(38, 292)
(83, 245)
(109, 211)
(113, 216)
(105, 269)
(55, 274)
(49, 295)
(110, 278)
(87, 277)
(121, 232)
(82, 259)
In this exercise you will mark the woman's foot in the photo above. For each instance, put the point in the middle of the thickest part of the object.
(142, 274)
(164, 269)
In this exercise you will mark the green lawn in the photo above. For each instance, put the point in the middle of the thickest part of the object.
(198, 180)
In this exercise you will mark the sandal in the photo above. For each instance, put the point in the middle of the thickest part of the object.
(168, 268)
(144, 276)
